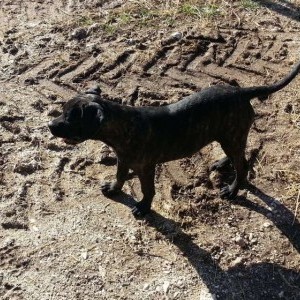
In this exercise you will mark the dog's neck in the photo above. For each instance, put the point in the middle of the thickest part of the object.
(117, 124)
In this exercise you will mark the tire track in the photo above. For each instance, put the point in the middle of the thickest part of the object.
(39, 70)
(80, 71)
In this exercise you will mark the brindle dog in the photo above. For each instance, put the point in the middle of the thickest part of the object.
(145, 136)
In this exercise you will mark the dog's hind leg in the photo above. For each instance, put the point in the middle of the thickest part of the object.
(146, 177)
(113, 188)
(236, 153)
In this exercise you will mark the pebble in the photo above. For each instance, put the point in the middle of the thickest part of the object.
(8, 242)
(241, 242)
(267, 225)
(236, 262)
(166, 286)
(176, 35)
(79, 34)
(84, 255)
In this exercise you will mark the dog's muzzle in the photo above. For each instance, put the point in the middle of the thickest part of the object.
(58, 129)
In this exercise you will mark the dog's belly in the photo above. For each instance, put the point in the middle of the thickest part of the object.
(171, 143)
(186, 136)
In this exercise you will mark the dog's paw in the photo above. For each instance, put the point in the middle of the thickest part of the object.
(139, 210)
(228, 192)
(110, 189)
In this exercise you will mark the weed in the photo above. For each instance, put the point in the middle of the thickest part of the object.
(109, 28)
(85, 21)
(210, 10)
(189, 10)
(205, 11)
(249, 4)
(125, 18)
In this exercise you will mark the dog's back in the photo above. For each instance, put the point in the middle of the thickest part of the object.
(182, 128)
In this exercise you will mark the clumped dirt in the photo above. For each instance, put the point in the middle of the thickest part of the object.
(60, 238)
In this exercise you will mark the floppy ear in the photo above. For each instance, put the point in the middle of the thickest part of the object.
(93, 111)
(94, 91)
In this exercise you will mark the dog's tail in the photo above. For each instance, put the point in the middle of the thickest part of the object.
(262, 92)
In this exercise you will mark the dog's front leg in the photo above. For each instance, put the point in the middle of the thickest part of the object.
(146, 177)
(114, 187)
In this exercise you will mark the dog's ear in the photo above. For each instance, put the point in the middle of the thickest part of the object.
(94, 91)
(93, 111)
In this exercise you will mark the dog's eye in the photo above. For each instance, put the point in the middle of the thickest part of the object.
(74, 115)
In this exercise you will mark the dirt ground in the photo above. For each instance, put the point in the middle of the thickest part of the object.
(60, 238)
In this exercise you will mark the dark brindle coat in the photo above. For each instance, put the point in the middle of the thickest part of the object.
(145, 136)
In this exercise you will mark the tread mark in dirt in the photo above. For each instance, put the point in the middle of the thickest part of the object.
(199, 50)
(68, 69)
(122, 58)
(62, 90)
(56, 187)
(87, 72)
(224, 74)
(81, 70)
(18, 220)
(161, 53)
(15, 265)
(60, 166)
(187, 80)
(39, 69)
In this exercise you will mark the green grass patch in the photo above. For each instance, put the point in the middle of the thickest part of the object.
(249, 4)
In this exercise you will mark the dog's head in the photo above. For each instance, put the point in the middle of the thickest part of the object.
(80, 119)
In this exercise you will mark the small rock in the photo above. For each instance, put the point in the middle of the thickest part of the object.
(131, 42)
(241, 242)
(166, 286)
(237, 261)
(34, 228)
(84, 255)
(79, 34)
(174, 37)
(113, 4)
(253, 241)
(267, 225)
(177, 35)
(8, 242)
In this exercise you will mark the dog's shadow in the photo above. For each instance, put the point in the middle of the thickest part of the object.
(257, 281)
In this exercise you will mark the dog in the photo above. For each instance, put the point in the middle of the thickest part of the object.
(145, 136)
